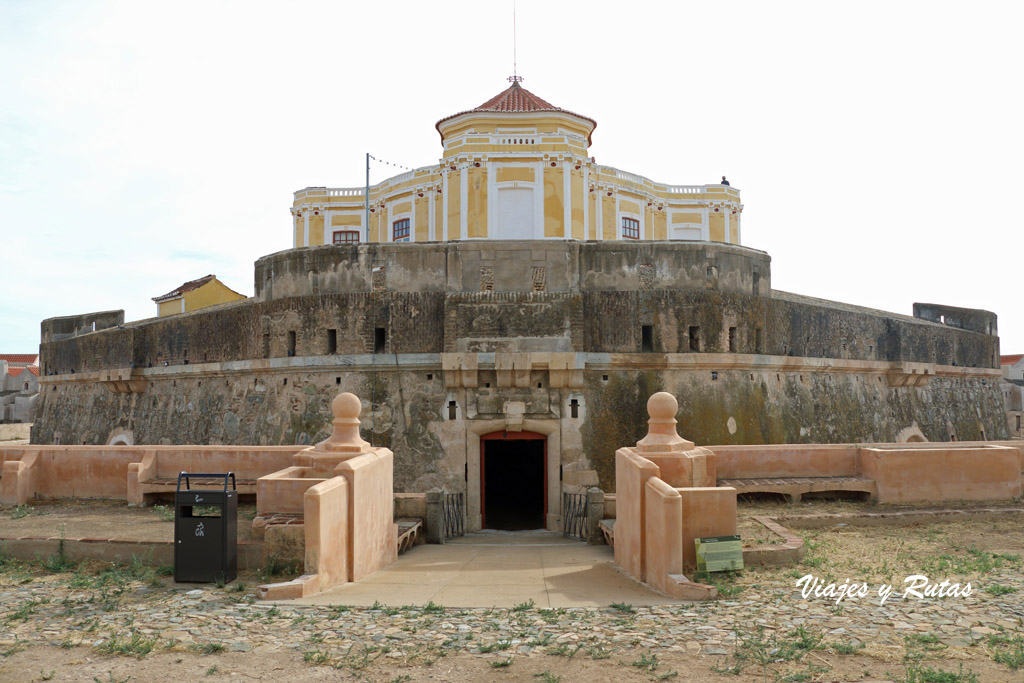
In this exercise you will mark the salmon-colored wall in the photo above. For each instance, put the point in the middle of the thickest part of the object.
(326, 519)
(631, 475)
(372, 532)
(943, 474)
(789, 460)
(663, 540)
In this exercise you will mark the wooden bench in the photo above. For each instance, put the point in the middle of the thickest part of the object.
(409, 533)
(157, 473)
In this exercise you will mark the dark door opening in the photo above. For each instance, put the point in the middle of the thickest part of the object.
(513, 481)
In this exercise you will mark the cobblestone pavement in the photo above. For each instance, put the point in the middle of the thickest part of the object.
(51, 610)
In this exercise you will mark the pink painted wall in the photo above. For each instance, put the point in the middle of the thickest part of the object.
(943, 474)
(788, 460)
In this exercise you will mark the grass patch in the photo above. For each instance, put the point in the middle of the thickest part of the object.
(623, 608)
(918, 673)
(758, 647)
(206, 648)
(136, 646)
(501, 663)
(524, 606)
(164, 512)
(1007, 650)
(276, 566)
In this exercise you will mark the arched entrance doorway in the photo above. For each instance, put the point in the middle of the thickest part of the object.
(513, 480)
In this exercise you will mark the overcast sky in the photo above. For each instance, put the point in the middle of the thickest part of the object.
(877, 145)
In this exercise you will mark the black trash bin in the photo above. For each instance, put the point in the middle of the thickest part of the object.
(206, 528)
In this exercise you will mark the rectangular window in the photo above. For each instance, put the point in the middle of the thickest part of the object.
(647, 338)
(332, 341)
(732, 340)
(291, 343)
(694, 338)
(380, 340)
(400, 230)
(346, 237)
(630, 229)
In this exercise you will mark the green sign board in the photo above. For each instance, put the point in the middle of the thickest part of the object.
(719, 553)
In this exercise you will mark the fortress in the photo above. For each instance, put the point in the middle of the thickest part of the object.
(505, 315)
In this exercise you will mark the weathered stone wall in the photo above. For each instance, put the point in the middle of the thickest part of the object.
(257, 403)
(396, 323)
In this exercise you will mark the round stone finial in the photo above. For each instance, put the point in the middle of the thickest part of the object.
(661, 428)
(346, 406)
(345, 435)
(662, 406)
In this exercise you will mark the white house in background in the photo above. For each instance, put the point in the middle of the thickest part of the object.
(19, 386)
(1013, 392)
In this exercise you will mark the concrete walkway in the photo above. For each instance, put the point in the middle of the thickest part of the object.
(497, 569)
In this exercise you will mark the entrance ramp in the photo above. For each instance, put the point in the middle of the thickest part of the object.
(497, 569)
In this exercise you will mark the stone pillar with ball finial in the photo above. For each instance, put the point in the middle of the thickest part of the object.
(344, 441)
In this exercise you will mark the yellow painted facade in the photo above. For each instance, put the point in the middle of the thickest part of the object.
(517, 168)
(210, 293)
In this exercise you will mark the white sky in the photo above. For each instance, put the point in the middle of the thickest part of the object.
(878, 145)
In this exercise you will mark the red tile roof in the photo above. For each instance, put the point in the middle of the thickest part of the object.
(22, 358)
(1010, 360)
(14, 372)
(187, 287)
(515, 100)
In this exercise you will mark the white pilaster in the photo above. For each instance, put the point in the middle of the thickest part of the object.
(538, 201)
(492, 201)
(464, 203)
(567, 200)
(305, 228)
(431, 228)
(586, 201)
(444, 206)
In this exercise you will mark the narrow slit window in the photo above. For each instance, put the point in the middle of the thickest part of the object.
(732, 340)
(452, 408)
(757, 284)
(574, 408)
(758, 340)
(332, 341)
(291, 343)
(380, 339)
(694, 333)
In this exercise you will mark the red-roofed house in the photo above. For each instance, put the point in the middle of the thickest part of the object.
(195, 294)
(19, 386)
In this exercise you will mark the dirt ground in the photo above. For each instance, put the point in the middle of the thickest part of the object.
(40, 664)
(985, 549)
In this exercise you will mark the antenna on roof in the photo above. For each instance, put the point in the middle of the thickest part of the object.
(515, 77)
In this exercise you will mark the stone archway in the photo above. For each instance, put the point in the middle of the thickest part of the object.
(121, 437)
(911, 434)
